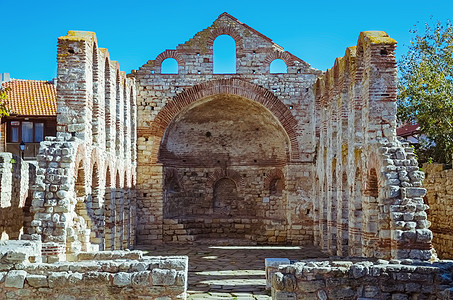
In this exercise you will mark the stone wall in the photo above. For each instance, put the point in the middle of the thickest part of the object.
(363, 280)
(288, 158)
(439, 198)
(84, 197)
(199, 131)
(101, 275)
(368, 195)
(16, 177)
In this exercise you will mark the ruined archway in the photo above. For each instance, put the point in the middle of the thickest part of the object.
(237, 87)
(222, 158)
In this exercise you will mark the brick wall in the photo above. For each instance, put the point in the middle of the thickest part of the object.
(248, 123)
(368, 194)
(84, 198)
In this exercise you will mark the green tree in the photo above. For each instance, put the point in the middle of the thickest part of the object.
(426, 89)
(4, 111)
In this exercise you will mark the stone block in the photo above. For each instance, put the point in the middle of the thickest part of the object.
(141, 278)
(37, 281)
(177, 263)
(311, 286)
(15, 279)
(279, 295)
(163, 277)
(358, 271)
(122, 279)
(412, 192)
(58, 279)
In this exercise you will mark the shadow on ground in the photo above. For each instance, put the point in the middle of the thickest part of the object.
(230, 272)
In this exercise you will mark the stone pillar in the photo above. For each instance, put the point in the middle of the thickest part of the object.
(119, 208)
(75, 84)
(110, 217)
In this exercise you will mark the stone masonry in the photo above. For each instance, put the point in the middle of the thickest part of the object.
(92, 275)
(439, 197)
(321, 163)
(302, 157)
(369, 199)
(225, 155)
(369, 280)
(16, 177)
(84, 197)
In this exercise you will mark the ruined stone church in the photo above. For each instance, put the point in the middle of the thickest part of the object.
(302, 157)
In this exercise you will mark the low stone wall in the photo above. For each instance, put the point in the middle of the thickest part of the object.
(95, 275)
(16, 177)
(363, 280)
(438, 183)
(254, 230)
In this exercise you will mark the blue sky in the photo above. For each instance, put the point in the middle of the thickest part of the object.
(137, 31)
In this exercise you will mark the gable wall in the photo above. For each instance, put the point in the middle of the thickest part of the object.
(162, 99)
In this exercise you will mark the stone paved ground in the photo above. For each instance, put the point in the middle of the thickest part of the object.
(230, 272)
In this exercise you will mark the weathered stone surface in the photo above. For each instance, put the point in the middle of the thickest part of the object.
(163, 277)
(37, 281)
(122, 279)
(15, 279)
(394, 280)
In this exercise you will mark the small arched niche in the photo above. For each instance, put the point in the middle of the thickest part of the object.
(225, 196)
(169, 66)
(278, 66)
(276, 186)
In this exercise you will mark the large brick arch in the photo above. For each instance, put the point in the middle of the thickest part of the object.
(232, 86)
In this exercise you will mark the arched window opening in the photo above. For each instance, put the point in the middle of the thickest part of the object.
(278, 66)
(224, 55)
(169, 66)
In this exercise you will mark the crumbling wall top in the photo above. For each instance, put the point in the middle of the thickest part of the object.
(74, 35)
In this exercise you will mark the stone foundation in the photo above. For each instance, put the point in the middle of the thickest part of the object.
(363, 280)
(99, 275)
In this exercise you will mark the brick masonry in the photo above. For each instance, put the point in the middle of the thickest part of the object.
(197, 131)
(300, 157)
(368, 198)
(84, 197)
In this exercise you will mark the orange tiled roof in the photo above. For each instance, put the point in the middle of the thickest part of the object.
(408, 129)
(31, 97)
